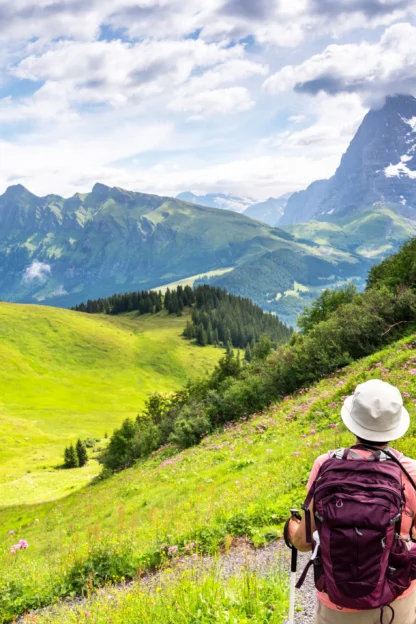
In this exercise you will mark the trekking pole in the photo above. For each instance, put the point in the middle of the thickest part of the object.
(293, 564)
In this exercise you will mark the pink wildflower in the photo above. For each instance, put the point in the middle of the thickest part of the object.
(406, 395)
(303, 435)
(312, 432)
(11, 532)
(296, 454)
(23, 544)
(332, 426)
(378, 365)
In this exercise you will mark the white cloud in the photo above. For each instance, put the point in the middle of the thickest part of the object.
(37, 271)
(372, 70)
(214, 102)
(183, 76)
(276, 22)
(100, 104)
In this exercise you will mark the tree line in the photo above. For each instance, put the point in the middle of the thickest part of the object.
(341, 326)
(218, 318)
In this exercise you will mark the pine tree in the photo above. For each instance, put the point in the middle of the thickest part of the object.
(248, 355)
(81, 453)
(201, 336)
(70, 456)
(210, 335)
(67, 459)
(189, 331)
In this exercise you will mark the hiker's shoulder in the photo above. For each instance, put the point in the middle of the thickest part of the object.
(319, 461)
(409, 463)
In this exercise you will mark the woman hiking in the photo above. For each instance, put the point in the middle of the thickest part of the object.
(359, 517)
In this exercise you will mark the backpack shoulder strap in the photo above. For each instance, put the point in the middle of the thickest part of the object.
(392, 456)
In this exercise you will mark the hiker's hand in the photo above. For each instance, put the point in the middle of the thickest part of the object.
(292, 528)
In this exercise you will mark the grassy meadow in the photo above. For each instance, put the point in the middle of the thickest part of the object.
(240, 481)
(65, 375)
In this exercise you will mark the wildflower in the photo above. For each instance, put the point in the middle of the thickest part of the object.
(308, 444)
(296, 454)
(13, 550)
(406, 395)
(23, 544)
(378, 365)
(312, 432)
(333, 404)
(303, 435)
(332, 426)
(172, 550)
(11, 532)
(412, 371)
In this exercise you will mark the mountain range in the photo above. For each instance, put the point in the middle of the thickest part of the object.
(63, 251)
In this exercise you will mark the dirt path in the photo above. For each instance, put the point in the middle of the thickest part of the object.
(242, 556)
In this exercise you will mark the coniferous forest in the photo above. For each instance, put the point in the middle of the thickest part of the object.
(217, 317)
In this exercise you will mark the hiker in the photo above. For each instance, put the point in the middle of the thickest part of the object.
(362, 512)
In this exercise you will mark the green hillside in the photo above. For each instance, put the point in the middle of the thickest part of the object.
(372, 234)
(241, 481)
(66, 375)
(285, 282)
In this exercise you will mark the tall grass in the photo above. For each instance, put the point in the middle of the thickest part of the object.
(185, 599)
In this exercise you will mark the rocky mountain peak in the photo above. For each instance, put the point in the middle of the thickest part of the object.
(378, 168)
(17, 190)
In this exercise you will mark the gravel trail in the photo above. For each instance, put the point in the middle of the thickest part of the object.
(242, 556)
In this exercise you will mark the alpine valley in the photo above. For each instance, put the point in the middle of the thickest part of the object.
(62, 251)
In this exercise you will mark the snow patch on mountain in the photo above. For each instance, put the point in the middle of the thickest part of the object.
(401, 169)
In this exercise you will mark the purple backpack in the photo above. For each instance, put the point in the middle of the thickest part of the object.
(359, 559)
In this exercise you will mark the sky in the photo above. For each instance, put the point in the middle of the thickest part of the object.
(251, 97)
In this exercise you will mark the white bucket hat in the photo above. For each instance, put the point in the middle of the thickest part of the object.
(375, 412)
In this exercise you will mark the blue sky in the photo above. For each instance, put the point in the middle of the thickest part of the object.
(251, 97)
